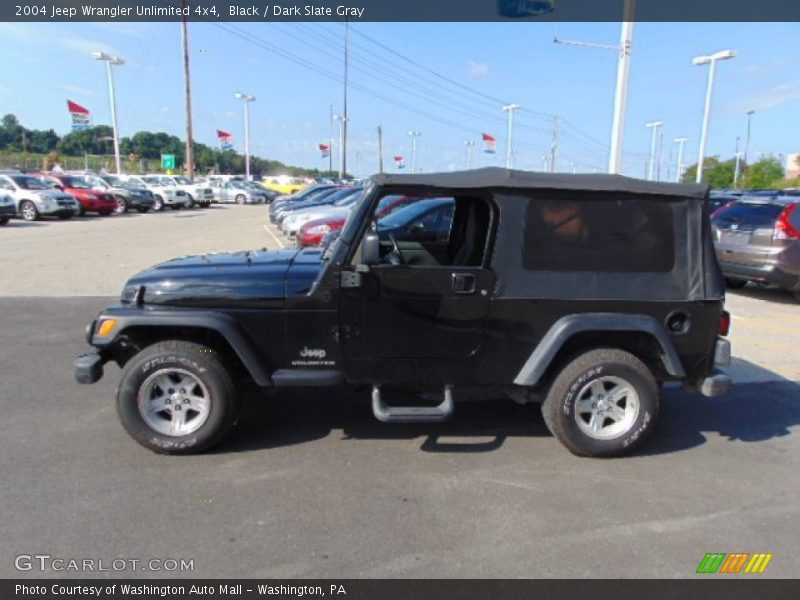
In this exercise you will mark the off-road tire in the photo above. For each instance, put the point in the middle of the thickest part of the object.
(28, 211)
(201, 362)
(558, 408)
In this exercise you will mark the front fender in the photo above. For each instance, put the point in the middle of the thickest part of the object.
(220, 323)
(569, 325)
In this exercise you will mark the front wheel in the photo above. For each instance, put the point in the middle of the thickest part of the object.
(189, 201)
(241, 199)
(158, 204)
(29, 211)
(604, 403)
(177, 397)
(122, 206)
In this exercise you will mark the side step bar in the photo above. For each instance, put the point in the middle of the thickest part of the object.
(412, 414)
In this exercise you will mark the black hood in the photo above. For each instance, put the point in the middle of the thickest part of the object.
(226, 279)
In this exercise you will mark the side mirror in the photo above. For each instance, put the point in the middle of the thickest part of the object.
(371, 249)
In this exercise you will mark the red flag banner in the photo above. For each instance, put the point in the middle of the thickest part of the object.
(225, 139)
(489, 143)
(80, 115)
(325, 150)
(399, 162)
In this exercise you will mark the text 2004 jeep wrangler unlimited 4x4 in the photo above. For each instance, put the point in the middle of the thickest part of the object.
(586, 291)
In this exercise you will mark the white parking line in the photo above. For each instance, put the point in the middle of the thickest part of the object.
(274, 237)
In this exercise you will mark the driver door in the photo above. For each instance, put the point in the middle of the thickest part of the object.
(422, 307)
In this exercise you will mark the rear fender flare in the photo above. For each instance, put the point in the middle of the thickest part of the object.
(562, 330)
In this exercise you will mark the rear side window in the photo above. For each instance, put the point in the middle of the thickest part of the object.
(748, 216)
(608, 233)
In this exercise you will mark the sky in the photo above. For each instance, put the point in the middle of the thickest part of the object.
(446, 81)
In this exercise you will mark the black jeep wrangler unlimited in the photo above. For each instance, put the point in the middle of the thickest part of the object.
(583, 292)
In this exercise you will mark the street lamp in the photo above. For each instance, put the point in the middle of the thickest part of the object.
(414, 135)
(342, 120)
(679, 167)
(469, 145)
(116, 61)
(711, 60)
(247, 99)
(654, 125)
(510, 108)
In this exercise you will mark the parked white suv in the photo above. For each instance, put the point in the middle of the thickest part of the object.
(34, 199)
(164, 194)
(199, 192)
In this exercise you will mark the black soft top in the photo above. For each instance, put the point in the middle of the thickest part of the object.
(499, 178)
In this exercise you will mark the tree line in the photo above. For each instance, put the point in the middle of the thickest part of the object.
(766, 173)
(143, 145)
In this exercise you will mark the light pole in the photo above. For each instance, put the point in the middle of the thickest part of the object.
(330, 147)
(679, 167)
(116, 61)
(747, 139)
(621, 93)
(414, 135)
(510, 108)
(711, 60)
(654, 125)
(342, 120)
(736, 170)
(469, 145)
(247, 99)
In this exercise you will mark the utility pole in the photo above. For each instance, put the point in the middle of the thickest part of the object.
(189, 162)
(414, 135)
(380, 149)
(679, 167)
(469, 145)
(344, 110)
(342, 166)
(654, 125)
(510, 108)
(554, 145)
(623, 50)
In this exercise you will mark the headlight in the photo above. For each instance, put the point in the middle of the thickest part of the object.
(44, 197)
(317, 229)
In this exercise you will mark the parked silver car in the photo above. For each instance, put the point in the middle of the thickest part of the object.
(240, 192)
(34, 199)
(758, 239)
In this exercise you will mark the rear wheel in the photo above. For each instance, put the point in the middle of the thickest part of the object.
(190, 201)
(241, 199)
(29, 211)
(604, 403)
(735, 284)
(122, 206)
(177, 397)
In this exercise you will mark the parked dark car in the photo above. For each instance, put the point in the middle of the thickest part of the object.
(583, 292)
(7, 208)
(757, 238)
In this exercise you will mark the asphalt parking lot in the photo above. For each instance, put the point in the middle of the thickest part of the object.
(310, 485)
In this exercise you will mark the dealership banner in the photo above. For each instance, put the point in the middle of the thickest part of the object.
(407, 11)
(325, 150)
(399, 162)
(81, 117)
(225, 140)
(405, 589)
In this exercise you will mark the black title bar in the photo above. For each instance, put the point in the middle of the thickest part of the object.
(400, 10)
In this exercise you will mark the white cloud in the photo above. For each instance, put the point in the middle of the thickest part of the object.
(477, 70)
(778, 95)
(76, 89)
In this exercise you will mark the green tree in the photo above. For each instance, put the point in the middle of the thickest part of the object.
(763, 174)
(93, 140)
(716, 173)
(41, 141)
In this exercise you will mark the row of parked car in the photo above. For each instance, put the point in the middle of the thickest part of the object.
(757, 237)
(33, 195)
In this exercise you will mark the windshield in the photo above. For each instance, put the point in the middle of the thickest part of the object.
(349, 199)
(183, 180)
(111, 180)
(29, 183)
(153, 181)
(77, 183)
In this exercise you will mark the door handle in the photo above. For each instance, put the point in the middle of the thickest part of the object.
(464, 283)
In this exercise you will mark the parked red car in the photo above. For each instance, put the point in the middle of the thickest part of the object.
(89, 199)
(312, 233)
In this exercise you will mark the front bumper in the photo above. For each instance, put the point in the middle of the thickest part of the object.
(88, 368)
(52, 211)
